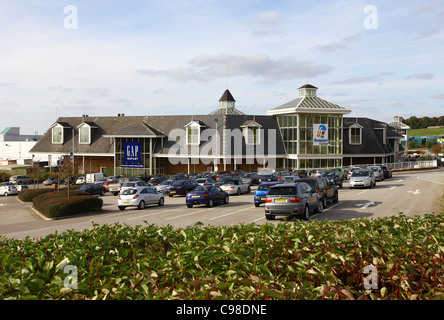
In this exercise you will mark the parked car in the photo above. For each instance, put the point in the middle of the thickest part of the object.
(205, 181)
(132, 184)
(289, 179)
(261, 192)
(290, 200)
(181, 187)
(325, 188)
(50, 181)
(154, 181)
(342, 172)
(300, 173)
(235, 186)
(377, 171)
(267, 177)
(249, 178)
(208, 195)
(21, 187)
(387, 172)
(8, 190)
(139, 197)
(362, 178)
(80, 180)
(20, 179)
(334, 176)
(163, 186)
(313, 172)
(93, 189)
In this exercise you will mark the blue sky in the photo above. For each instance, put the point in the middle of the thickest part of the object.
(177, 57)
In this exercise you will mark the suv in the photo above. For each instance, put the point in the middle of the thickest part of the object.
(20, 180)
(292, 199)
(325, 188)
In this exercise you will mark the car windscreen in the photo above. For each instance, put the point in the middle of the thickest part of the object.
(283, 191)
(285, 179)
(129, 184)
(264, 187)
(129, 191)
(178, 182)
(360, 174)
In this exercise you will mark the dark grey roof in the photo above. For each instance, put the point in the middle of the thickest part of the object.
(308, 86)
(372, 137)
(227, 96)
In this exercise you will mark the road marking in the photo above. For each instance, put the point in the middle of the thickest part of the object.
(430, 181)
(364, 191)
(415, 192)
(153, 214)
(366, 205)
(392, 187)
(227, 214)
(189, 214)
(258, 219)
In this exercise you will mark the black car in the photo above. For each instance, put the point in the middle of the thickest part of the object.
(181, 187)
(93, 188)
(334, 176)
(387, 172)
(325, 188)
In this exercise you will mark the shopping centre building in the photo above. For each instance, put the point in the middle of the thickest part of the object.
(307, 132)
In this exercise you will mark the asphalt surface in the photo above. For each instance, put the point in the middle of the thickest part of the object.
(413, 193)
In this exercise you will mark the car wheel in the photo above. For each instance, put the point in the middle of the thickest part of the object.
(141, 205)
(6, 194)
(249, 189)
(269, 217)
(306, 214)
(189, 205)
(210, 203)
(256, 205)
(320, 206)
(102, 193)
(226, 200)
(336, 198)
(122, 208)
(161, 201)
(238, 191)
(324, 202)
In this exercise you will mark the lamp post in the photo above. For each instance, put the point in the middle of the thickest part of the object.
(216, 160)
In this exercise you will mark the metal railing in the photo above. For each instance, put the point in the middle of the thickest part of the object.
(404, 165)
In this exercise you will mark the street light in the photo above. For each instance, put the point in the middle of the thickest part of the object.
(216, 160)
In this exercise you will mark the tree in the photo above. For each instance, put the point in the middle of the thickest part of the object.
(436, 148)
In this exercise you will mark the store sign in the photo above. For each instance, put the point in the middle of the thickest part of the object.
(320, 134)
(133, 155)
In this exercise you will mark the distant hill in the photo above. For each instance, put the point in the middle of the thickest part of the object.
(426, 132)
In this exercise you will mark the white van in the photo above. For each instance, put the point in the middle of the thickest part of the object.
(94, 177)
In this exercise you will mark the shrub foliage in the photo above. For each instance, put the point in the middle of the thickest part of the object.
(300, 260)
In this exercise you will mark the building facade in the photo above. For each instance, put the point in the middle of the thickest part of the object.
(307, 132)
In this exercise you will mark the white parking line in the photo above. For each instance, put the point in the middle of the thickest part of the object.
(189, 214)
(153, 214)
(326, 209)
(227, 214)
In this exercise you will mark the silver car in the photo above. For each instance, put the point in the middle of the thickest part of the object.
(8, 190)
(163, 186)
(139, 197)
(378, 172)
(291, 200)
(362, 178)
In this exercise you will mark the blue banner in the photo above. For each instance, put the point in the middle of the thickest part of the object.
(132, 154)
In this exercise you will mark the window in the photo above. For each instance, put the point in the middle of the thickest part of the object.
(193, 135)
(85, 134)
(355, 135)
(253, 135)
(57, 134)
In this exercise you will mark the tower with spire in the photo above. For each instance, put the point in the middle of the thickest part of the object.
(227, 105)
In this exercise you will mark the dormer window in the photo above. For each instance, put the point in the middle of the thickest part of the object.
(355, 134)
(252, 132)
(85, 132)
(57, 134)
(193, 132)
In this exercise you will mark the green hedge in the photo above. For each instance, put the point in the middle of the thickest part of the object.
(29, 194)
(297, 260)
(57, 204)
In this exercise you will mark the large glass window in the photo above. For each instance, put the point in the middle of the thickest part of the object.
(289, 131)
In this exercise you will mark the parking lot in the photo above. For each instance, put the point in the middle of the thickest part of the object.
(413, 193)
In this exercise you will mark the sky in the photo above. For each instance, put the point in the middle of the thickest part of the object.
(379, 59)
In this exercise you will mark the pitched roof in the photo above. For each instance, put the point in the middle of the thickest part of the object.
(308, 105)
(227, 96)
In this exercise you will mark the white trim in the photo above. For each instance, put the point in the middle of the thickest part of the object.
(58, 126)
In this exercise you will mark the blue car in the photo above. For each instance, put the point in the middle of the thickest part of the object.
(208, 195)
(261, 192)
